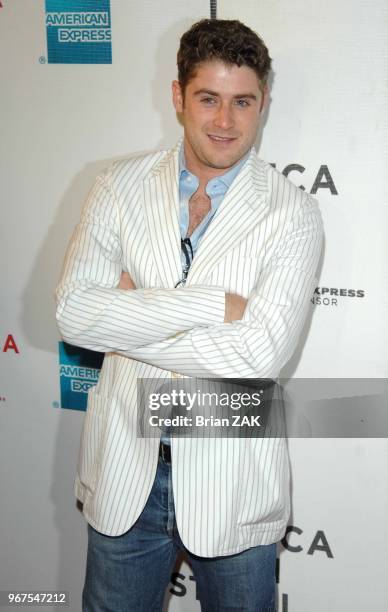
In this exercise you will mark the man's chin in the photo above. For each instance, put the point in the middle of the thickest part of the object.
(224, 162)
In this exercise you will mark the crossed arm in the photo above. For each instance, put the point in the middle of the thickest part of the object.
(197, 330)
(234, 304)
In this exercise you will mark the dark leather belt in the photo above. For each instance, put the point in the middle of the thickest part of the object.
(165, 452)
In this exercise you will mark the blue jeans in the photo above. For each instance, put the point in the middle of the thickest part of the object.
(130, 573)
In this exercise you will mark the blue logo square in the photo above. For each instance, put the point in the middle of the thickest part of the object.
(78, 32)
(79, 370)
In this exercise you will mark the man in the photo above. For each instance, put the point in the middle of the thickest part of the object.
(195, 262)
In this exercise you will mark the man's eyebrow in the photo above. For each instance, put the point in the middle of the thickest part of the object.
(251, 96)
(209, 92)
(205, 91)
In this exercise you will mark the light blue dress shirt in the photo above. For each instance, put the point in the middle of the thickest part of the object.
(216, 190)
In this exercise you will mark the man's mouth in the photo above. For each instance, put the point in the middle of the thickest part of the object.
(221, 139)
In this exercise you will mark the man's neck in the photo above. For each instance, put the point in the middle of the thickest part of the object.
(201, 171)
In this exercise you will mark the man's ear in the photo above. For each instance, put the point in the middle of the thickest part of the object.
(177, 96)
(265, 98)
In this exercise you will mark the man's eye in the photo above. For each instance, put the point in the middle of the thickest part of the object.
(242, 102)
(208, 100)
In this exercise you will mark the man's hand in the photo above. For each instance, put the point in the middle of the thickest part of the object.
(126, 282)
(234, 307)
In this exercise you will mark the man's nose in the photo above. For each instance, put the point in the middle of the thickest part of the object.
(224, 117)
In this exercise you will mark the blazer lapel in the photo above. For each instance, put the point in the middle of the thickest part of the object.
(160, 193)
(242, 208)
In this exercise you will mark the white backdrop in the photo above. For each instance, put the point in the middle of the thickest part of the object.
(61, 124)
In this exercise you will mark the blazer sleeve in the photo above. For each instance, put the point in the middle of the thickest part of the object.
(264, 340)
(93, 313)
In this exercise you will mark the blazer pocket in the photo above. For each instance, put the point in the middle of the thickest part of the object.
(92, 440)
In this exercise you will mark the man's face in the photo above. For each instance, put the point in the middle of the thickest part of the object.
(220, 110)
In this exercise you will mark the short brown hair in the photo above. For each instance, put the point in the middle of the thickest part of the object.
(228, 41)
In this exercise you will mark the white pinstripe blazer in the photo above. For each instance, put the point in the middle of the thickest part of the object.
(264, 244)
